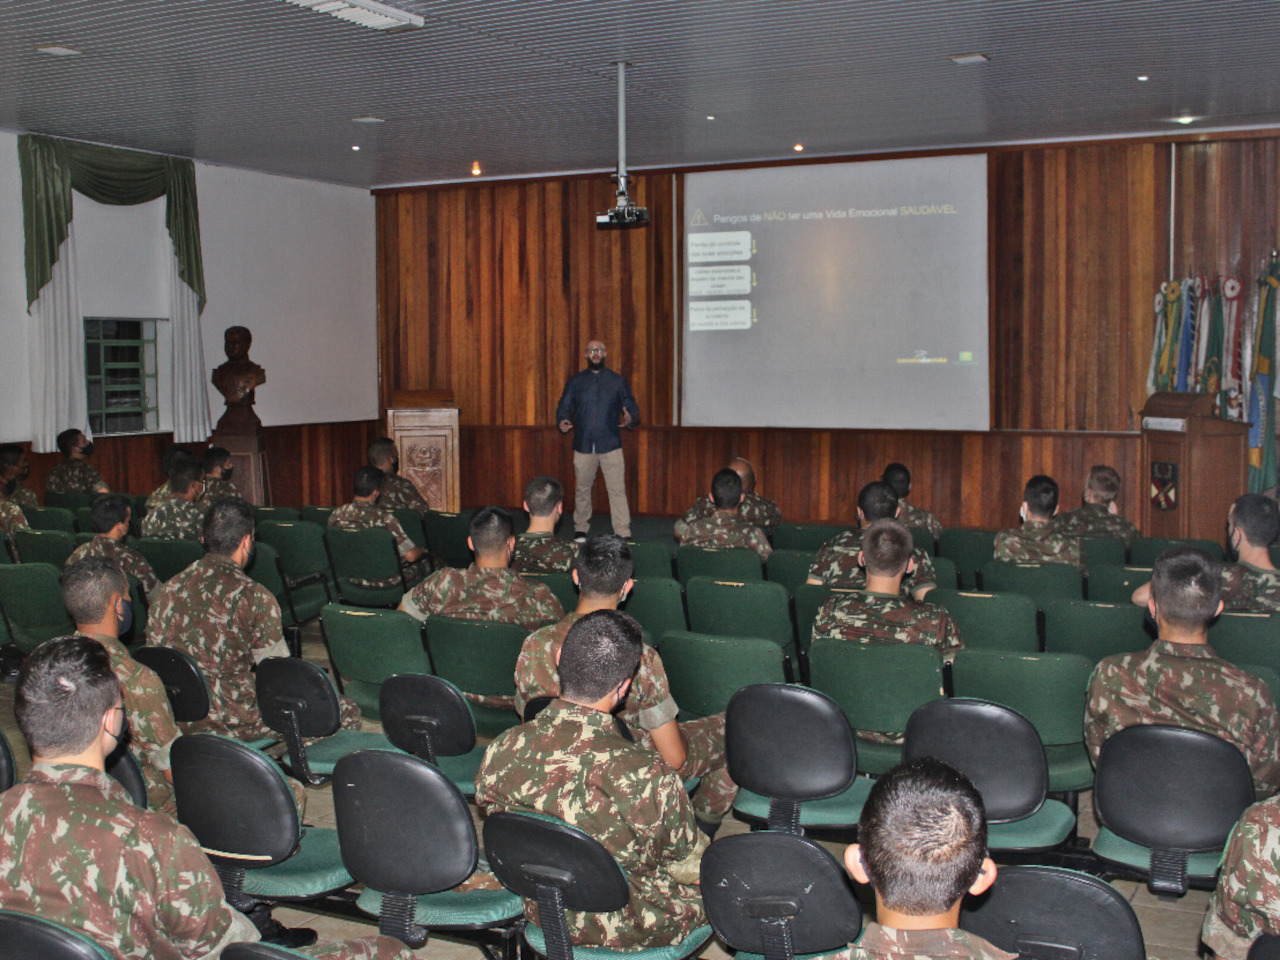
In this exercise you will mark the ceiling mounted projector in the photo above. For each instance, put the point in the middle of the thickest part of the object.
(625, 213)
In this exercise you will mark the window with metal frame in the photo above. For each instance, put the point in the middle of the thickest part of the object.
(121, 375)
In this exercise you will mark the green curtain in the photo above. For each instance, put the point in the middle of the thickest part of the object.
(52, 168)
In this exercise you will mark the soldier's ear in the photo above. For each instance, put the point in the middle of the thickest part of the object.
(471, 546)
(853, 863)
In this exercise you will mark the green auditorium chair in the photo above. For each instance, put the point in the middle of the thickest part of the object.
(367, 646)
(366, 555)
(789, 567)
(923, 540)
(1108, 584)
(44, 546)
(1103, 551)
(705, 671)
(1247, 638)
(316, 514)
(411, 523)
(263, 514)
(1095, 630)
(447, 535)
(50, 518)
(945, 573)
(561, 584)
(805, 536)
(991, 621)
(657, 603)
(478, 657)
(969, 550)
(734, 563)
(741, 608)
(1041, 582)
(651, 557)
(31, 602)
(168, 558)
(1145, 550)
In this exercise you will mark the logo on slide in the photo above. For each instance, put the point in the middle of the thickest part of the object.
(698, 219)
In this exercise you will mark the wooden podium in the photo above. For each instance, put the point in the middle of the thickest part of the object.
(427, 440)
(1194, 465)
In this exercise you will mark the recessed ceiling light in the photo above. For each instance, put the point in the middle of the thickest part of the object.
(1143, 78)
(368, 118)
(968, 59)
(1184, 120)
(711, 116)
(56, 50)
(366, 13)
(798, 147)
(355, 148)
(475, 168)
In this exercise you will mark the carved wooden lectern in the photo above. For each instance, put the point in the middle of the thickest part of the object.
(427, 441)
(1194, 465)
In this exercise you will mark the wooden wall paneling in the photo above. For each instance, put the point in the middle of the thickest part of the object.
(1227, 207)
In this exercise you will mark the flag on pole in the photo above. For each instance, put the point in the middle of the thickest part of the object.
(1262, 401)
(1211, 365)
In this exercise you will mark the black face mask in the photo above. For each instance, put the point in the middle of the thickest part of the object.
(87, 449)
(395, 466)
(226, 473)
(10, 486)
(24, 472)
(595, 364)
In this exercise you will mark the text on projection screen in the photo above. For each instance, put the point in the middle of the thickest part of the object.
(837, 295)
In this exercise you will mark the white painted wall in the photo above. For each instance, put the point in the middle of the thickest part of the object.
(293, 260)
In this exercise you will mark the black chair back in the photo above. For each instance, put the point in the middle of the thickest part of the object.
(426, 716)
(556, 865)
(1266, 947)
(297, 701)
(535, 707)
(124, 770)
(1047, 913)
(404, 830)
(183, 681)
(790, 744)
(995, 747)
(23, 936)
(1174, 790)
(8, 765)
(779, 895)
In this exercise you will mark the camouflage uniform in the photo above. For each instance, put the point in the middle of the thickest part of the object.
(836, 565)
(228, 623)
(22, 495)
(912, 516)
(370, 516)
(543, 553)
(483, 593)
(756, 510)
(1250, 589)
(1038, 541)
(649, 705)
(73, 476)
(157, 496)
(571, 762)
(11, 518)
(1094, 520)
(123, 556)
(868, 617)
(174, 519)
(215, 489)
(152, 728)
(1246, 904)
(888, 943)
(726, 530)
(399, 493)
(76, 851)
(1187, 685)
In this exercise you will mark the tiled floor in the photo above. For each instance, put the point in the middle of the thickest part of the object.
(1171, 929)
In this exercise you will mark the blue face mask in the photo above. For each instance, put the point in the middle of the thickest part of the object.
(124, 617)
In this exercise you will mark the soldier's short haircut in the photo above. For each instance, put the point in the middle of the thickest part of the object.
(10, 454)
(1104, 481)
(215, 457)
(490, 529)
(225, 525)
(604, 564)
(1258, 518)
(171, 456)
(1041, 495)
(108, 510)
(66, 440)
(368, 481)
(877, 501)
(923, 835)
(726, 489)
(186, 471)
(65, 687)
(600, 651)
(1186, 585)
(897, 476)
(542, 494)
(886, 548)
(382, 450)
(87, 587)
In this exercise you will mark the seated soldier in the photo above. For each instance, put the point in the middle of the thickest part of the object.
(1180, 681)
(1038, 541)
(14, 470)
(726, 528)
(880, 613)
(398, 493)
(179, 517)
(168, 460)
(218, 469)
(365, 512)
(539, 550)
(96, 594)
(837, 563)
(695, 748)
(898, 476)
(1246, 903)
(922, 844)
(488, 589)
(756, 510)
(73, 474)
(110, 517)
(573, 763)
(213, 612)
(11, 518)
(76, 851)
(1100, 514)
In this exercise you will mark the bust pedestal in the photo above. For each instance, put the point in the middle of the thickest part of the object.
(240, 431)
(427, 441)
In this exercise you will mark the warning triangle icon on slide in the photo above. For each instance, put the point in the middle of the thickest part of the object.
(698, 219)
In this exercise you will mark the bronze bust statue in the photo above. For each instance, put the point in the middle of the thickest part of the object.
(236, 380)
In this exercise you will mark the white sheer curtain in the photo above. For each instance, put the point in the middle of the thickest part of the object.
(191, 422)
(56, 354)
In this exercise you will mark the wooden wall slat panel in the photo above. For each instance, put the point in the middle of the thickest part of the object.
(1227, 202)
